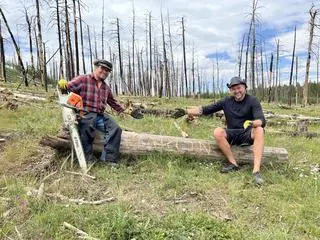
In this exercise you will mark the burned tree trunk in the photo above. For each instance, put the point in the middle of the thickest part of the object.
(144, 143)
(313, 13)
(184, 59)
(3, 74)
(292, 64)
(23, 70)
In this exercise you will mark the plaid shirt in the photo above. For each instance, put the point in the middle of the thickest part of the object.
(94, 99)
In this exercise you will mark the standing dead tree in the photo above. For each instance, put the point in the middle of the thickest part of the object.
(23, 70)
(270, 77)
(40, 44)
(313, 13)
(3, 75)
(184, 57)
(292, 64)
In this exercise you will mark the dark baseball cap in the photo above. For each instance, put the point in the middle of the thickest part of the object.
(236, 81)
(103, 63)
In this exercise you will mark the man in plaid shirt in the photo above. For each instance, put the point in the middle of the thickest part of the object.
(96, 94)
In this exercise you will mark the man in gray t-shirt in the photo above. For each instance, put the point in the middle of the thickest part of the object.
(245, 123)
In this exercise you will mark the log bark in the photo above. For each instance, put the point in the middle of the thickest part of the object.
(144, 143)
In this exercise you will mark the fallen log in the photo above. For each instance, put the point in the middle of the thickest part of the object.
(143, 143)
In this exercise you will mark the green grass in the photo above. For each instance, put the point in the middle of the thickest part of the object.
(147, 193)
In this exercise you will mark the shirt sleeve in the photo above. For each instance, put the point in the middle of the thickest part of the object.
(113, 102)
(75, 84)
(257, 112)
(209, 109)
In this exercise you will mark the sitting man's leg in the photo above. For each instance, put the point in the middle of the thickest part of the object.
(87, 134)
(112, 139)
(257, 134)
(220, 136)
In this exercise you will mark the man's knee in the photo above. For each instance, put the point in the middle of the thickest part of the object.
(257, 132)
(219, 133)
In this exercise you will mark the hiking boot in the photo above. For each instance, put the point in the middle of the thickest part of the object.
(229, 168)
(258, 178)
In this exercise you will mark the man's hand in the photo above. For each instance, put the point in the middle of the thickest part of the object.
(179, 112)
(63, 84)
(247, 123)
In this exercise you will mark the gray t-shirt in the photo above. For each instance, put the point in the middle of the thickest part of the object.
(237, 113)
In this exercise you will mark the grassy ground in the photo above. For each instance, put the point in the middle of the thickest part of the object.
(159, 196)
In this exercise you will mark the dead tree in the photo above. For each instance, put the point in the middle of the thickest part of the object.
(23, 70)
(297, 93)
(81, 38)
(102, 30)
(276, 97)
(240, 54)
(173, 75)
(213, 85)
(133, 49)
(192, 72)
(75, 30)
(165, 61)
(247, 53)
(184, 58)
(42, 63)
(270, 76)
(119, 52)
(150, 59)
(253, 52)
(3, 72)
(90, 48)
(69, 51)
(146, 74)
(292, 64)
(262, 73)
(313, 13)
(61, 72)
(29, 27)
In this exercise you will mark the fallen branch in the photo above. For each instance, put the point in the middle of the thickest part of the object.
(48, 176)
(78, 231)
(97, 202)
(81, 174)
(183, 133)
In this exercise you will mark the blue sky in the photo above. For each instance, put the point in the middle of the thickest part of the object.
(212, 27)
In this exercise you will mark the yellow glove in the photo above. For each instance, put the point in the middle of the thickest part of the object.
(62, 83)
(247, 123)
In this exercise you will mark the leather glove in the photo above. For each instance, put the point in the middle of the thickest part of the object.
(247, 123)
(179, 112)
(63, 84)
(136, 113)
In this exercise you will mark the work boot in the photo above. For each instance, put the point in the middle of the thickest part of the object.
(258, 178)
(229, 168)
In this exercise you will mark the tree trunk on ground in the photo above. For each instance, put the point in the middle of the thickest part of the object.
(143, 143)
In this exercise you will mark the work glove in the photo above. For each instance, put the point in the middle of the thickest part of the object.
(247, 123)
(136, 113)
(63, 84)
(179, 112)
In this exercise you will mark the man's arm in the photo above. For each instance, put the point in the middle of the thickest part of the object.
(205, 110)
(75, 84)
(114, 103)
(259, 120)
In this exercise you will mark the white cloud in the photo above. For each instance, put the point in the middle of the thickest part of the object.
(213, 26)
